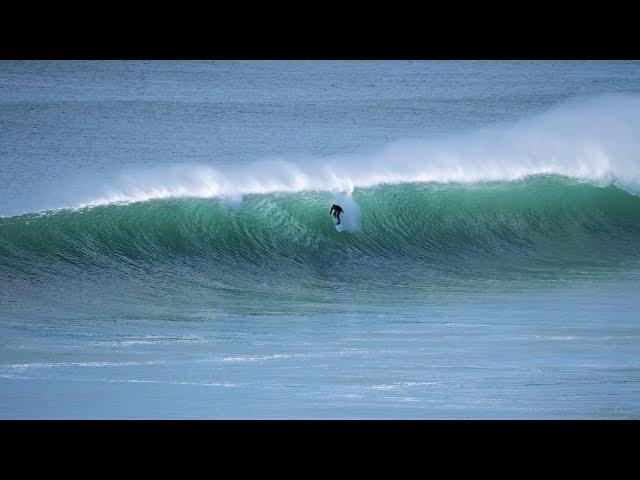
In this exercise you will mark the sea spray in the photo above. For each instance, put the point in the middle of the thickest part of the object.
(350, 218)
(597, 140)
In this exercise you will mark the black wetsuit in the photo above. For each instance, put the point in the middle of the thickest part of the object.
(336, 210)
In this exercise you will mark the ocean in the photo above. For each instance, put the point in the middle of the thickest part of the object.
(167, 252)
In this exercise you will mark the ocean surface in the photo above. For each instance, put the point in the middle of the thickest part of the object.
(166, 248)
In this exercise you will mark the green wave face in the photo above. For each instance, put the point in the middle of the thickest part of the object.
(535, 224)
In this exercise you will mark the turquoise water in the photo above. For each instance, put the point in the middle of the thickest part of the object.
(166, 249)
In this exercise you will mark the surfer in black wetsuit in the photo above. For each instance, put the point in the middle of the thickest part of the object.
(336, 210)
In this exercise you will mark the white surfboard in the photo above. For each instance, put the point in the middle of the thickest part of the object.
(338, 226)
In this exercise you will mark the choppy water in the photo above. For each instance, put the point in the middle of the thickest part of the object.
(166, 249)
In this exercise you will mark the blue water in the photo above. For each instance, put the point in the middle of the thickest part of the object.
(166, 249)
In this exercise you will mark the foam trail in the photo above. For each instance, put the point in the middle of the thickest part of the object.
(597, 140)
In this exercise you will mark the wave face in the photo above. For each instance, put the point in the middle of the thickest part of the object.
(412, 229)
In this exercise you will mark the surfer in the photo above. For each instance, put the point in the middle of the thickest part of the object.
(336, 210)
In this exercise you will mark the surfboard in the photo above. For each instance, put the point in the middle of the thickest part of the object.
(338, 226)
